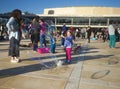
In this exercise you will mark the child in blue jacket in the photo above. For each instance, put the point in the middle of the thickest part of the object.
(68, 46)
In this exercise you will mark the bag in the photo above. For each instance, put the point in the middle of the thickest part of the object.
(43, 50)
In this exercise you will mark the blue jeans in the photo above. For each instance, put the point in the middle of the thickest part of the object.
(42, 40)
(52, 48)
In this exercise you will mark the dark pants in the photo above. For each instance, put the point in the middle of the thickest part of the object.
(35, 46)
(14, 47)
(62, 41)
(88, 39)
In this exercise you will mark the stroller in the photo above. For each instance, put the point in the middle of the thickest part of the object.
(76, 48)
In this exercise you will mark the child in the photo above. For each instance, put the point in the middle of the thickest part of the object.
(52, 43)
(68, 46)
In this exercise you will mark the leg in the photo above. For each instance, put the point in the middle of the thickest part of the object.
(68, 54)
(113, 41)
(41, 41)
(51, 48)
(44, 40)
(88, 39)
(110, 41)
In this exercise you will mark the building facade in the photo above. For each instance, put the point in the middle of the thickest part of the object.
(82, 16)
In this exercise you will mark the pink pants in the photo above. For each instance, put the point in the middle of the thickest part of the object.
(68, 53)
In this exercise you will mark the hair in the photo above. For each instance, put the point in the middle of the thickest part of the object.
(16, 12)
(35, 22)
(69, 32)
(37, 18)
(41, 19)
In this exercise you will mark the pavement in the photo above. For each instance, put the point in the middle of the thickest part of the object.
(96, 67)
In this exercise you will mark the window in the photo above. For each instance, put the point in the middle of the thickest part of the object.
(51, 12)
(64, 20)
(98, 21)
(81, 21)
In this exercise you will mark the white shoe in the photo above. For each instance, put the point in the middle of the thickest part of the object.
(16, 59)
(62, 46)
(13, 61)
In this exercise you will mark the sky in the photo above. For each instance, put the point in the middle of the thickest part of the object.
(38, 6)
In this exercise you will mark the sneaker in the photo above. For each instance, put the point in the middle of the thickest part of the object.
(13, 61)
(113, 47)
(69, 61)
(62, 46)
(16, 59)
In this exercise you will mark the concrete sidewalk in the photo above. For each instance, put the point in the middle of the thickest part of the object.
(101, 68)
(96, 67)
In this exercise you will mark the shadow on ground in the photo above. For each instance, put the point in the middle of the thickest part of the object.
(44, 65)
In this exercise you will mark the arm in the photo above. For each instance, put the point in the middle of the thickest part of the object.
(12, 25)
(9, 24)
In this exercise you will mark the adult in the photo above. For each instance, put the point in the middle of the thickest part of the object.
(78, 32)
(42, 33)
(35, 33)
(83, 32)
(89, 33)
(112, 37)
(4, 33)
(14, 30)
(118, 29)
(72, 30)
(64, 29)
